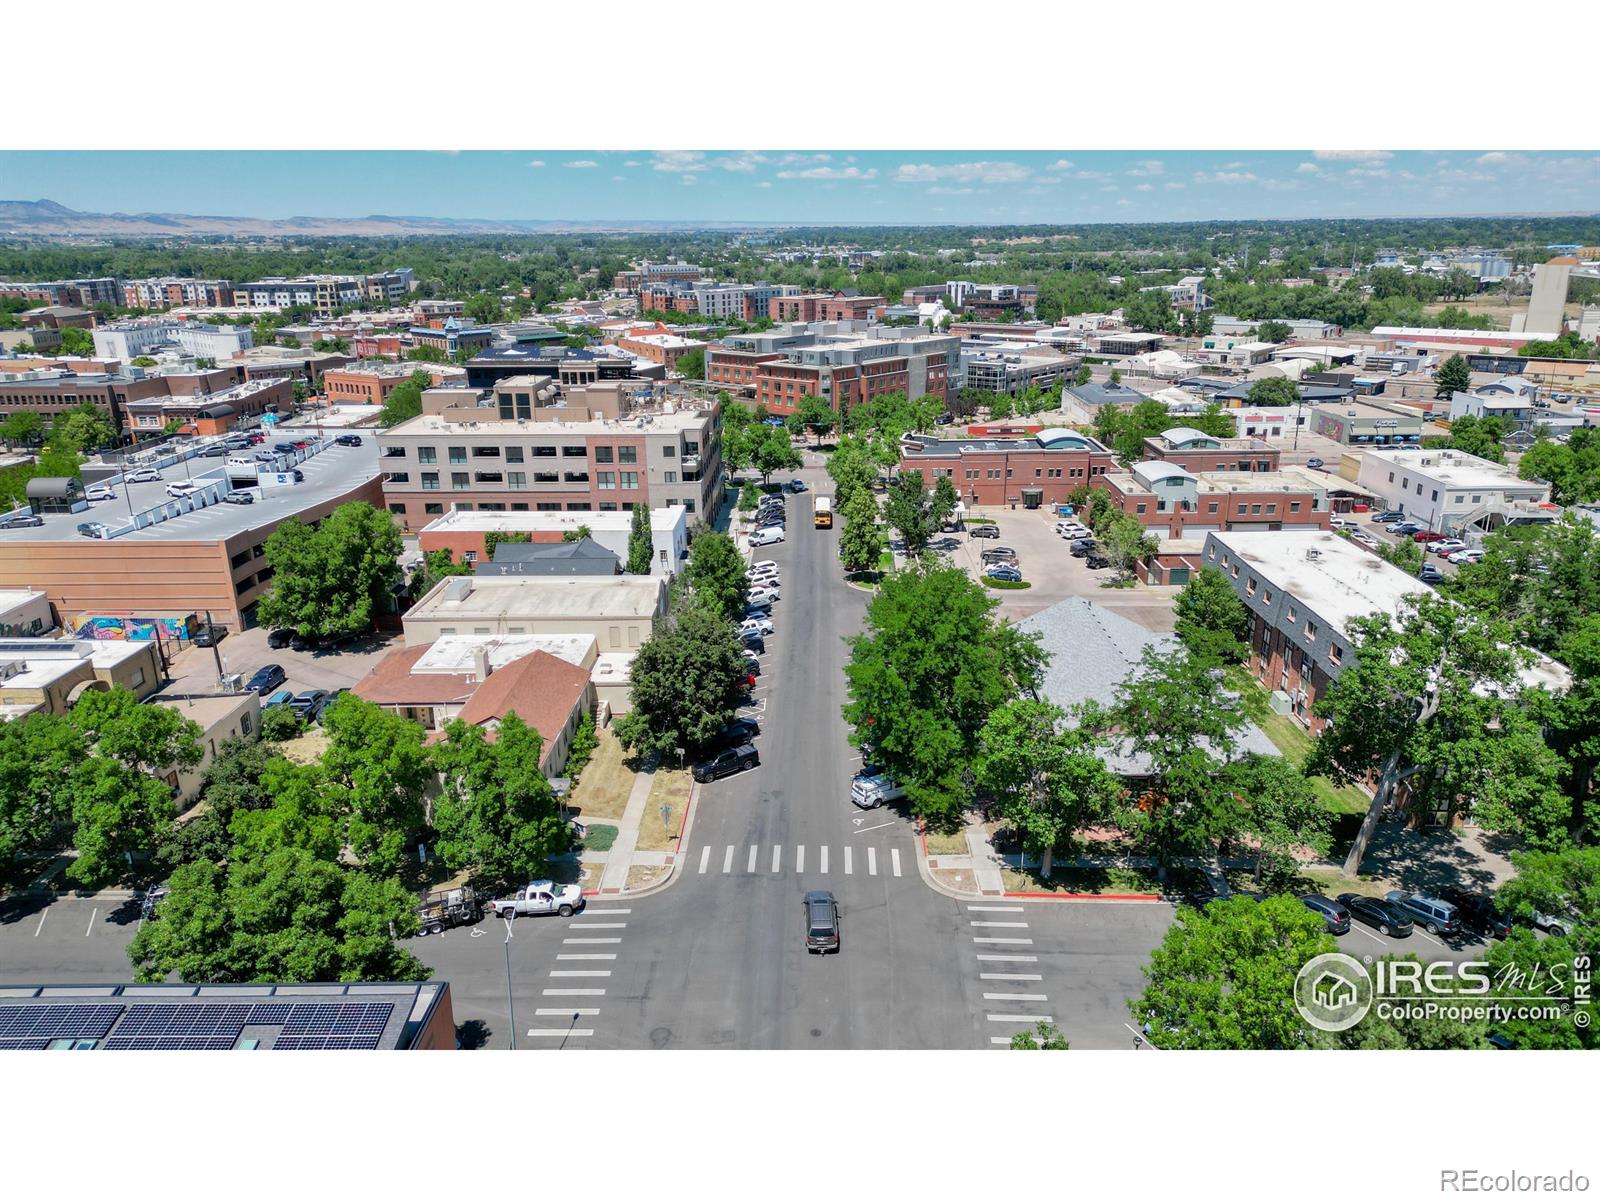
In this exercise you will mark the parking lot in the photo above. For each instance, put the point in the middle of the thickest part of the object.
(195, 668)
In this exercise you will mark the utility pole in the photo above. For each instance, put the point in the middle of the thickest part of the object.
(511, 1007)
(215, 652)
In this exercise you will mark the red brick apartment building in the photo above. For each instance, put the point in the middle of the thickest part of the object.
(1035, 471)
(844, 362)
(823, 306)
(1173, 503)
(737, 368)
(1195, 451)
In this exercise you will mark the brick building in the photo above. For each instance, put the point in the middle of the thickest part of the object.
(844, 362)
(1173, 503)
(1196, 451)
(80, 293)
(1033, 471)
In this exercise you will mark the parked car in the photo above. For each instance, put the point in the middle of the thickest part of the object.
(1478, 912)
(1434, 915)
(1430, 574)
(347, 439)
(1447, 546)
(994, 552)
(752, 664)
(180, 490)
(1004, 573)
(767, 535)
(729, 762)
(278, 699)
(760, 625)
(753, 642)
(99, 492)
(239, 498)
(265, 456)
(306, 702)
(1403, 528)
(94, 529)
(984, 531)
(1386, 918)
(215, 450)
(209, 635)
(1555, 926)
(758, 612)
(267, 678)
(1082, 547)
(1096, 561)
(22, 520)
(1341, 523)
(763, 595)
(764, 564)
(737, 732)
(821, 922)
(446, 909)
(763, 578)
(538, 898)
(1364, 538)
(297, 474)
(143, 475)
(871, 787)
(1072, 529)
(797, 485)
(279, 639)
(1314, 463)
(1423, 536)
(327, 703)
(1462, 557)
(1334, 915)
(1387, 515)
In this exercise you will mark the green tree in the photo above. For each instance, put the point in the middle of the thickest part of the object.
(1083, 375)
(484, 310)
(1223, 976)
(142, 737)
(22, 428)
(862, 541)
(1544, 579)
(437, 565)
(1452, 376)
(1212, 621)
(717, 575)
(379, 763)
(1280, 812)
(686, 683)
(38, 755)
(924, 676)
(335, 578)
(739, 430)
(1275, 392)
(749, 498)
(430, 354)
(116, 813)
(1044, 1036)
(851, 467)
(496, 814)
(281, 723)
(911, 512)
(1273, 331)
(1049, 779)
(641, 546)
(283, 917)
(772, 451)
(1473, 435)
(578, 534)
(1151, 312)
(303, 812)
(1403, 553)
(692, 364)
(82, 428)
(1124, 542)
(143, 360)
(77, 343)
(404, 401)
(814, 415)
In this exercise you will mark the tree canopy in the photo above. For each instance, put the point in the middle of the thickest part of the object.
(686, 683)
(335, 578)
(1212, 621)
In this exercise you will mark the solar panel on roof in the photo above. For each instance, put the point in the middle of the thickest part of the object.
(334, 1027)
(41, 1023)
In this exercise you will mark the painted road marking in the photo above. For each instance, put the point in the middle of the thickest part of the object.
(578, 974)
(705, 859)
(40, 926)
(1015, 996)
(1029, 1018)
(848, 865)
(590, 941)
(994, 941)
(1012, 978)
(1008, 958)
(606, 912)
(1000, 1041)
(998, 924)
(561, 1033)
(1373, 936)
(574, 991)
(574, 957)
(727, 861)
(994, 908)
(870, 828)
(872, 860)
(824, 860)
(777, 859)
(751, 865)
(599, 925)
(1429, 938)
(894, 859)
(566, 1012)
(92, 916)
(799, 859)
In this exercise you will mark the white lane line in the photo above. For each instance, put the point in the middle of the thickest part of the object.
(566, 1012)
(872, 860)
(777, 859)
(824, 860)
(1428, 938)
(1012, 978)
(1015, 996)
(1030, 1018)
(751, 865)
(586, 925)
(574, 991)
(585, 957)
(727, 861)
(90, 928)
(705, 859)
(560, 1033)
(1373, 936)
(590, 941)
(799, 860)
(40, 925)
(994, 941)
(894, 860)
(994, 908)
(848, 865)
(870, 828)
(578, 974)
(998, 924)
(1008, 958)
(606, 912)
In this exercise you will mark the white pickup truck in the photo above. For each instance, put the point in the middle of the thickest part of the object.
(537, 898)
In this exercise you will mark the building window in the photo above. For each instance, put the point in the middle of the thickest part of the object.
(433, 510)
(513, 454)
(630, 479)
(458, 454)
(606, 480)
(1294, 506)
(669, 451)
(566, 451)
(398, 510)
(1292, 614)
(627, 454)
(430, 481)
(670, 476)
(1211, 508)
(427, 454)
(517, 479)
(1266, 596)
(458, 479)
(1335, 654)
(602, 454)
(1311, 631)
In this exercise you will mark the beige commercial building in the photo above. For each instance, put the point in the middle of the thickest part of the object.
(619, 611)
(25, 612)
(220, 718)
(43, 675)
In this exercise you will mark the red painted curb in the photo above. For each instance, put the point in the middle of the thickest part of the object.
(1088, 895)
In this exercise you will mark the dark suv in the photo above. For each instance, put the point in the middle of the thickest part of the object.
(822, 923)
(267, 678)
(730, 762)
(1334, 915)
(1478, 912)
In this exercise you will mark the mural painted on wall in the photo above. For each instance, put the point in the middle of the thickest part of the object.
(133, 629)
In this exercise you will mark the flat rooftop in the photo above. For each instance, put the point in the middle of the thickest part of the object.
(538, 597)
(330, 475)
(662, 520)
(457, 653)
(1454, 468)
(654, 421)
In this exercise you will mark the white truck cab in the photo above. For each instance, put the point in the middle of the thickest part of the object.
(536, 899)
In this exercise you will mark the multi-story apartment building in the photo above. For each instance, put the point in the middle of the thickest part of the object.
(650, 273)
(207, 414)
(1196, 451)
(52, 392)
(1032, 471)
(844, 362)
(129, 339)
(1011, 368)
(173, 292)
(325, 293)
(529, 445)
(1173, 503)
(453, 337)
(746, 301)
(79, 293)
(1450, 491)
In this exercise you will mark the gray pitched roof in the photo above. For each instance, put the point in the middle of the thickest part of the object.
(534, 551)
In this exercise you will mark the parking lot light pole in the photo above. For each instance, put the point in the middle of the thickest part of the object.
(511, 1007)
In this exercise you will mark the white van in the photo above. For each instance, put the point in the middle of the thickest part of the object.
(869, 791)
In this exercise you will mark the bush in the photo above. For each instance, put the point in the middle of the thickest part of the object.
(280, 723)
(583, 746)
(599, 837)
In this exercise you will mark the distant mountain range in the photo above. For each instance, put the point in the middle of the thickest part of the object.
(45, 219)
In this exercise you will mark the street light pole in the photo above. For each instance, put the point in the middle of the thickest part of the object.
(511, 1008)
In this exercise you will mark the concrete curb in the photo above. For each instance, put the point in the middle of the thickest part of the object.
(675, 868)
(926, 872)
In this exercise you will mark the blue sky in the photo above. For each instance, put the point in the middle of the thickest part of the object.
(823, 186)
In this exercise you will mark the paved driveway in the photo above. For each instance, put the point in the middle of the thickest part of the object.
(195, 669)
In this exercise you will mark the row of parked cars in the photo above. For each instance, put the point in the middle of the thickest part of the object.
(733, 749)
(1453, 911)
(771, 520)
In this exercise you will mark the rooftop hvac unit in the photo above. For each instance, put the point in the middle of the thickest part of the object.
(1313, 555)
(233, 684)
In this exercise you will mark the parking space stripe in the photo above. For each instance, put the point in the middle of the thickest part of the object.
(824, 860)
(777, 859)
(998, 941)
(578, 974)
(998, 924)
(590, 941)
(92, 916)
(847, 860)
(1008, 958)
(894, 860)
(872, 860)
(1029, 1018)
(727, 861)
(799, 860)
(1011, 978)
(751, 865)
(581, 957)
(705, 859)
(561, 1033)
(566, 1012)
(46, 912)
(1015, 996)
(574, 991)
(994, 908)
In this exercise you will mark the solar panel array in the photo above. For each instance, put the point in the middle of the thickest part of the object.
(35, 1026)
(334, 1027)
(180, 1027)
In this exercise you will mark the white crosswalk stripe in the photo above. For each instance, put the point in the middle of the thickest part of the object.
(994, 908)
(848, 865)
(578, 974)
(799, 860)
(1028, 1018)
(872, 860)
(561, 1033)
(999, 941)
(777, 859)
(998, 924)
(1008, 958)
(598, 925)
(574, 991)
(1015, 996)
(584, 957)
(1009, 978)
(606, 912)
(750, 867)
(605, 941)
(705, 859)
(824, 860)
(566, 1012)
(894, 858)
(727, 861)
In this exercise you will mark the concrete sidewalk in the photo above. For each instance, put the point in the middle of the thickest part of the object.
(621, 857)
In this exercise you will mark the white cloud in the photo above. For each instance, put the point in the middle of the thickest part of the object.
(1145, 187)
(1369, 172)
(1309, 168)
(1060, 164)
(1226, 177)
(966, 172)
(765, 183)
(581, 164)
(1280, 185)
(538, 162)
(940, 190)
(633, 162)
(830, 173)
(680, 160)
(800, 160)
(1149, 167)
(743, 162)
(1124, 203)
(1369, 156)
(687, 179)
(616, 179)
(1495, 158)
(1174, 187)
(1091, 175)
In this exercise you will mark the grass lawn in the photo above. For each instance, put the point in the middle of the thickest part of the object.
(1100, 880)
(603, 787)
(947, 843)
(599, 837)
(672, 789)
(1292, 739)
(307, 748)
(886, 561)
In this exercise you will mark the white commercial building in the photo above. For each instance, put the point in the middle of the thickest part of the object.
(669, 530)
(219, 342)
(131, 339)
(1449, 491)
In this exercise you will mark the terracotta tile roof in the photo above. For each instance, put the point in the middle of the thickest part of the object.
(391, 682)
(540, 688)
